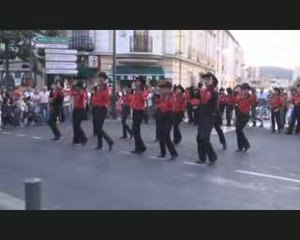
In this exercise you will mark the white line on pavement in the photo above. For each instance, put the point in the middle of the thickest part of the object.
(7, 133)
(20, 135)
(8, 202)
(269, 176)
(36, 137)
(155, 157)
(193, 163)
(125, 152)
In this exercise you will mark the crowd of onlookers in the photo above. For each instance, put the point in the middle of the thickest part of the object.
(28, 107)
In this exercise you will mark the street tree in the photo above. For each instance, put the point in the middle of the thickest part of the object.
(18, 44)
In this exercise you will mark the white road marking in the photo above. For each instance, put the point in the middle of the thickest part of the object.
(8, 202)
(36, 137)
(157, 158)
(20, 135)
(125, 152)
(7, 133)
(269, 176)
(194, 164)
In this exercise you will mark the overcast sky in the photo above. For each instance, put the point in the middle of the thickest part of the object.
(270, 47)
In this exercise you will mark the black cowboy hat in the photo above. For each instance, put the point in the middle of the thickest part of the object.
(222, 89)
(141, 79)
(79, 84)
(209, 74)
(245, 86)
(179, 87)
(102, 75)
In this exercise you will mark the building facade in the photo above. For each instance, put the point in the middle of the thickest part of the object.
(180, 55)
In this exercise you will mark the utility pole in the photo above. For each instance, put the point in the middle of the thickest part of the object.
(114, 115)
(30, 55)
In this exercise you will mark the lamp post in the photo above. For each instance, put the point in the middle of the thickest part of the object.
(180, 54)
(113, 100)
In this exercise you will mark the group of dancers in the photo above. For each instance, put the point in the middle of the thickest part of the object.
(170, 105)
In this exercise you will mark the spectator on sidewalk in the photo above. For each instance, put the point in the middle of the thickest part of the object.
(43, 103)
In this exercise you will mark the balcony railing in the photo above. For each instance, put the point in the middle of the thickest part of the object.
(82, 43)
(141, 44)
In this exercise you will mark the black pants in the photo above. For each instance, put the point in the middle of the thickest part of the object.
(99, 118)
(295, 117)
(229, 111)
(284, 112)
(254, 117)
(62, 115)
(78, 133)
(146, 115)
(165, 126)
(241, 122)
(93, 120)
(54, 114)
(157, 116)
(178, 117)
(125, 114)
(137, 119)
(205, 148)
(222, 110)
(275, 116)
(219, 130)
(190, 112)
(196, 116)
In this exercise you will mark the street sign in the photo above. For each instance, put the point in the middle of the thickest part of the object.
(62, 71)
(44, 45)
(55, 40)
(93, 61)
(61, 51)
(61, 65)
(61, 57)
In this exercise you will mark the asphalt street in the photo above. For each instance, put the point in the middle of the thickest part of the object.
(266, 177)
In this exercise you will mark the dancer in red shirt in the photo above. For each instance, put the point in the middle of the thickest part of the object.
(208, 111)
(138, 107)
(276, 103)
(244, 102)
(100, 106)
(126, 101)
(166, 107)
(179, 108)
(79, 97)
(56, 103)
(229, 106)
(222, 103)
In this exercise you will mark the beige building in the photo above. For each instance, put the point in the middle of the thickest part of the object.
(180, 55)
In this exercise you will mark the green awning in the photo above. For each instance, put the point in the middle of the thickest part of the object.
(85, 72)
(139, 70)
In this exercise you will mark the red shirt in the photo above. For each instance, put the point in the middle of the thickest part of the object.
(187, 96)
(58, 97)
(101, 98)
(222, 99)
(245, 103)
(79, 99)
(138, 100)
(205, 96)
(127, 99)
(276, 102)
(166, 103)
(230, 100)
(179, 103)
(296, 99)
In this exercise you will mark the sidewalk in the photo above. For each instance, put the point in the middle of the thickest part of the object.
(8, 202)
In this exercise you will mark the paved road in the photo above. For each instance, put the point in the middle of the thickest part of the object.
(267, 177)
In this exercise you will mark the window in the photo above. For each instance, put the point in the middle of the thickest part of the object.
(123, 33)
